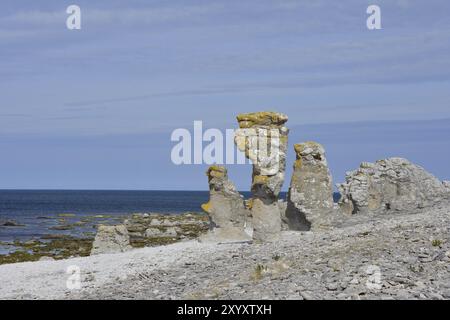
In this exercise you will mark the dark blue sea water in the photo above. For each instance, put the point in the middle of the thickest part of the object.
(47, 202)
(39, 210)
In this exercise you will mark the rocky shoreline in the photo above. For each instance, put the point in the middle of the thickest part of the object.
(387, 237)
(145, 229)
(379, 256)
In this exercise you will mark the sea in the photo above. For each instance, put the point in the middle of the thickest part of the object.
(38, 211)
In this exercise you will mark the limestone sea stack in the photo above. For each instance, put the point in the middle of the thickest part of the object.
(310, 196)
(262, 136)
(226, 209)
(388, 185)
(111, 239)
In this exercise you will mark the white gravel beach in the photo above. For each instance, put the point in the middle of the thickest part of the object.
(397, 256)
(48, 279)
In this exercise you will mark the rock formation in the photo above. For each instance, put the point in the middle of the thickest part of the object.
(111, 239)
(226, 208)
(10, 223)
(262, 136)
(389, 185)
(446, 185)
(150, 229)
(394, 184)
(310, 197)
(155, 232)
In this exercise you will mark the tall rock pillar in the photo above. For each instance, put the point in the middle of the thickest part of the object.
(310, 197)
(262, 136)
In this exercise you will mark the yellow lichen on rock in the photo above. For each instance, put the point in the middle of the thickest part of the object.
(301, 147)
(225, 208)
(264, 118)
(298, 147)
(249, 204)
(206, 207)
(260, 179)
(216, 171)
(262, 136)
(298, 163)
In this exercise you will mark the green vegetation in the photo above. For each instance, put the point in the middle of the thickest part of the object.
(62, 246)
(259, 271)
(436, 243)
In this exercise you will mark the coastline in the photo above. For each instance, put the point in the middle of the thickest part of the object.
(411, 250)
(70, 235)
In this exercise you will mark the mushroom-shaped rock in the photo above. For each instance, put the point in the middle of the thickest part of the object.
(262, 136)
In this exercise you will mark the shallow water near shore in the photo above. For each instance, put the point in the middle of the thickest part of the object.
(43, 212)
(49, 214)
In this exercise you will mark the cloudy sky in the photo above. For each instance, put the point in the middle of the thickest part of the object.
(94, 108)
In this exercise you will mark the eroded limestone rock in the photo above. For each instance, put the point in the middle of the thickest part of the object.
(392, 184)
(446, 185)
(226, 208)
(111, 239)
(153, 232)
(262, 136)
(310, 197)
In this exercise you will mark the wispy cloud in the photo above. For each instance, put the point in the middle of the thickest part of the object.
(117, 17)
(14, 115)
(149, 96)
(136, 56)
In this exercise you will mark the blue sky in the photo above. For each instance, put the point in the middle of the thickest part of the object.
(95, 108)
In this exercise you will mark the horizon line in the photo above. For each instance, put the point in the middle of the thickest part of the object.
(157, 190)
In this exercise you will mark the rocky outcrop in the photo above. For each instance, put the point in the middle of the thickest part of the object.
(310, 197)
(158, 232)
(262, 136)
(159, 229)
(10, 223)
(111, 239)
(446, 185)
(225, 208)
(389, 185)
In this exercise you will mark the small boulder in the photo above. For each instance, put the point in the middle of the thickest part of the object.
(153, 232)
(111, 239)
(172, 231)
(46, 258)
(156, 222)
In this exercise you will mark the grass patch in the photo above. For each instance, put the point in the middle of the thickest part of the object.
(436, 243)
(259, 271)
(57, 248)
